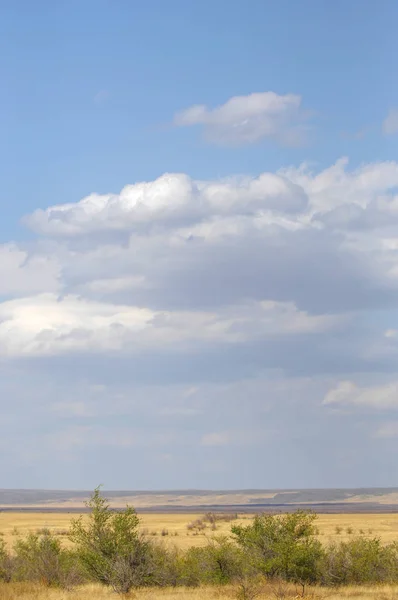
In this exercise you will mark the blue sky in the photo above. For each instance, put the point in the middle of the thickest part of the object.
(144, 61)
(242, 302)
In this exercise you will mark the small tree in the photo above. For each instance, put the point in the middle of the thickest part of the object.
(110, 547)
(283, 546)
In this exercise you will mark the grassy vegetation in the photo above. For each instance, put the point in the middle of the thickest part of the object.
(29, 591)
(289, 555)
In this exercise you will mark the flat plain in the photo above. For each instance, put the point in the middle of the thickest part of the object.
(173, 528)
(177, 529)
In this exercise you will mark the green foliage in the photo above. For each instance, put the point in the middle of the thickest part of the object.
(282, 545)
(360, 561)
(40, 557)
(6, 562)
(168, 566)
(110, 547)
(220, 562)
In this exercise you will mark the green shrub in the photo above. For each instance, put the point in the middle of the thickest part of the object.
(40, 557)
(360, 561)
(6, 562)
(283, 546)
(168, 566)
(219, 562)
(110, 548)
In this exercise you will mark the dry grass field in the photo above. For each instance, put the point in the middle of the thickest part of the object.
(333, 526)
(28, 591)
(174, 526)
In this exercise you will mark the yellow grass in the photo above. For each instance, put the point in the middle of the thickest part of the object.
(174, 524)
(28, 591)
(384, 526)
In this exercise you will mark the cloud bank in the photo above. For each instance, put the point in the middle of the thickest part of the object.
(205, 322)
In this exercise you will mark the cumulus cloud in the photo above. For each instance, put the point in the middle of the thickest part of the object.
(173, 200)
(291, 198)
(325, 240)
(390, 123)
(248, 119)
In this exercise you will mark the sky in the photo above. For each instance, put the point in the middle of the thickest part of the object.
(198, 244)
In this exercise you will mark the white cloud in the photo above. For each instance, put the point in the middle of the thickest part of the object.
(291, 198)
(347, 393)
(390, 123)
(172, 200)
(336, 186)
(21, 273)
(191, 264)
(46, 325)
(323, 241)
(248, 119)
(114, 284)
(186, 286)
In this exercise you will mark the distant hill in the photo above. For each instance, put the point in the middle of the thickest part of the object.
(375, 499)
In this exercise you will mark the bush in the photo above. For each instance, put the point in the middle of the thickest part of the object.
(6, 563)
(168, 566)
(110, 547)
(360, 561)
(197, 526)
(219, 562)
(283, 546)
(338, 529)
(40, 557)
